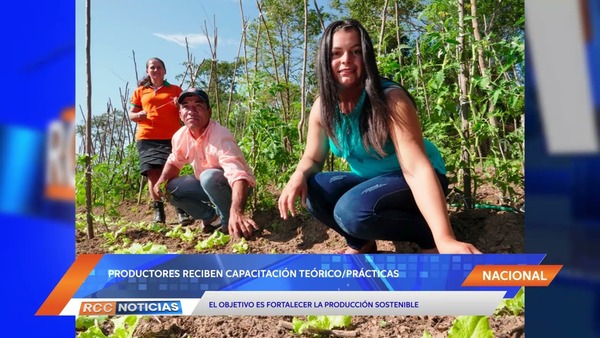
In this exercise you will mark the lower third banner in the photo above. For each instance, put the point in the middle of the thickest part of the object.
(293, 284)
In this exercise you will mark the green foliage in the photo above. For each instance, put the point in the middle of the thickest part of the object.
(112, 182)
(152, 226)
(186, 170)
(216, 239)
(177, 232)
(163, 190)
(85, 322)
(148, 248)
(241, 246)
(112, 237)
(264, 142)
(497, 149)
(514, 306)
(471, 327)
(80, 222)
(124, 326)
(320, 323)
(92, 332)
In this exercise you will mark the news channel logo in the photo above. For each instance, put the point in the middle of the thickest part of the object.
(118, 308)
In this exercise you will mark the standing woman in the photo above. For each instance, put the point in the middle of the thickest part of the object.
(395, 190)
(154, 109)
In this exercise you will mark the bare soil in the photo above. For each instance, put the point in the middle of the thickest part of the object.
(492, 231)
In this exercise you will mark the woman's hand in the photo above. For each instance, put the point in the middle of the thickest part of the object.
(138, 115)
(296, 187)
(315, 155)
(450, 245)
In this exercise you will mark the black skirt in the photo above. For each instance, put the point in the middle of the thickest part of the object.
(153, 154)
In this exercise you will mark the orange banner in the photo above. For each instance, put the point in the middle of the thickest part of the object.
(512, 275)
(68, 285)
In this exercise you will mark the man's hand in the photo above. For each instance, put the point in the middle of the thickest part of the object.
(241, 225)
(159, 187)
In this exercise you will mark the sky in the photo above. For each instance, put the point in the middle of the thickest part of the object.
(151, 28)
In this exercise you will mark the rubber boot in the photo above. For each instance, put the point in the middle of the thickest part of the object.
(159, 212)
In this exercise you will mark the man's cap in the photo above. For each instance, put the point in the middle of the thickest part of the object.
(196, 92)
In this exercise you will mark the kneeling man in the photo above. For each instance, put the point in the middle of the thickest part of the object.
(219, 188)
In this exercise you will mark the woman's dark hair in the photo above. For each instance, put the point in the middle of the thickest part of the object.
(147, 80)
(374, 120)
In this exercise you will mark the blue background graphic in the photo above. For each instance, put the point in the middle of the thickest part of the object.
(400, 273)
(563, 214)
(38, 72)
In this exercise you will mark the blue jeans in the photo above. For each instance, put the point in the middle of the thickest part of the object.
(363, 209)
(202, 199)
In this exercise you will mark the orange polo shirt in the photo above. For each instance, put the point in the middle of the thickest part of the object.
(162, 114)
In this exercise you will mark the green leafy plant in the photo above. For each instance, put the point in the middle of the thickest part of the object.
(470, 327)
(513, 306)
(320, 323)
(112, 237)
(177, 232)
(264, 144)
(85, 322)
(216, 239)
(92, 332)
(478, 326)
(241, 246)
(124, 326)
(148, 248)
(163, 189)
(154, 227)
(80, 222)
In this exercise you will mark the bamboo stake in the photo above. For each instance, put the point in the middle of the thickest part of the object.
(88, 125)
(302, 121)
(275, 64)
(382, 29)
(464, 109)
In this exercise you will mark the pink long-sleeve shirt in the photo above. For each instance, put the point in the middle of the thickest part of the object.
(215, 148)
